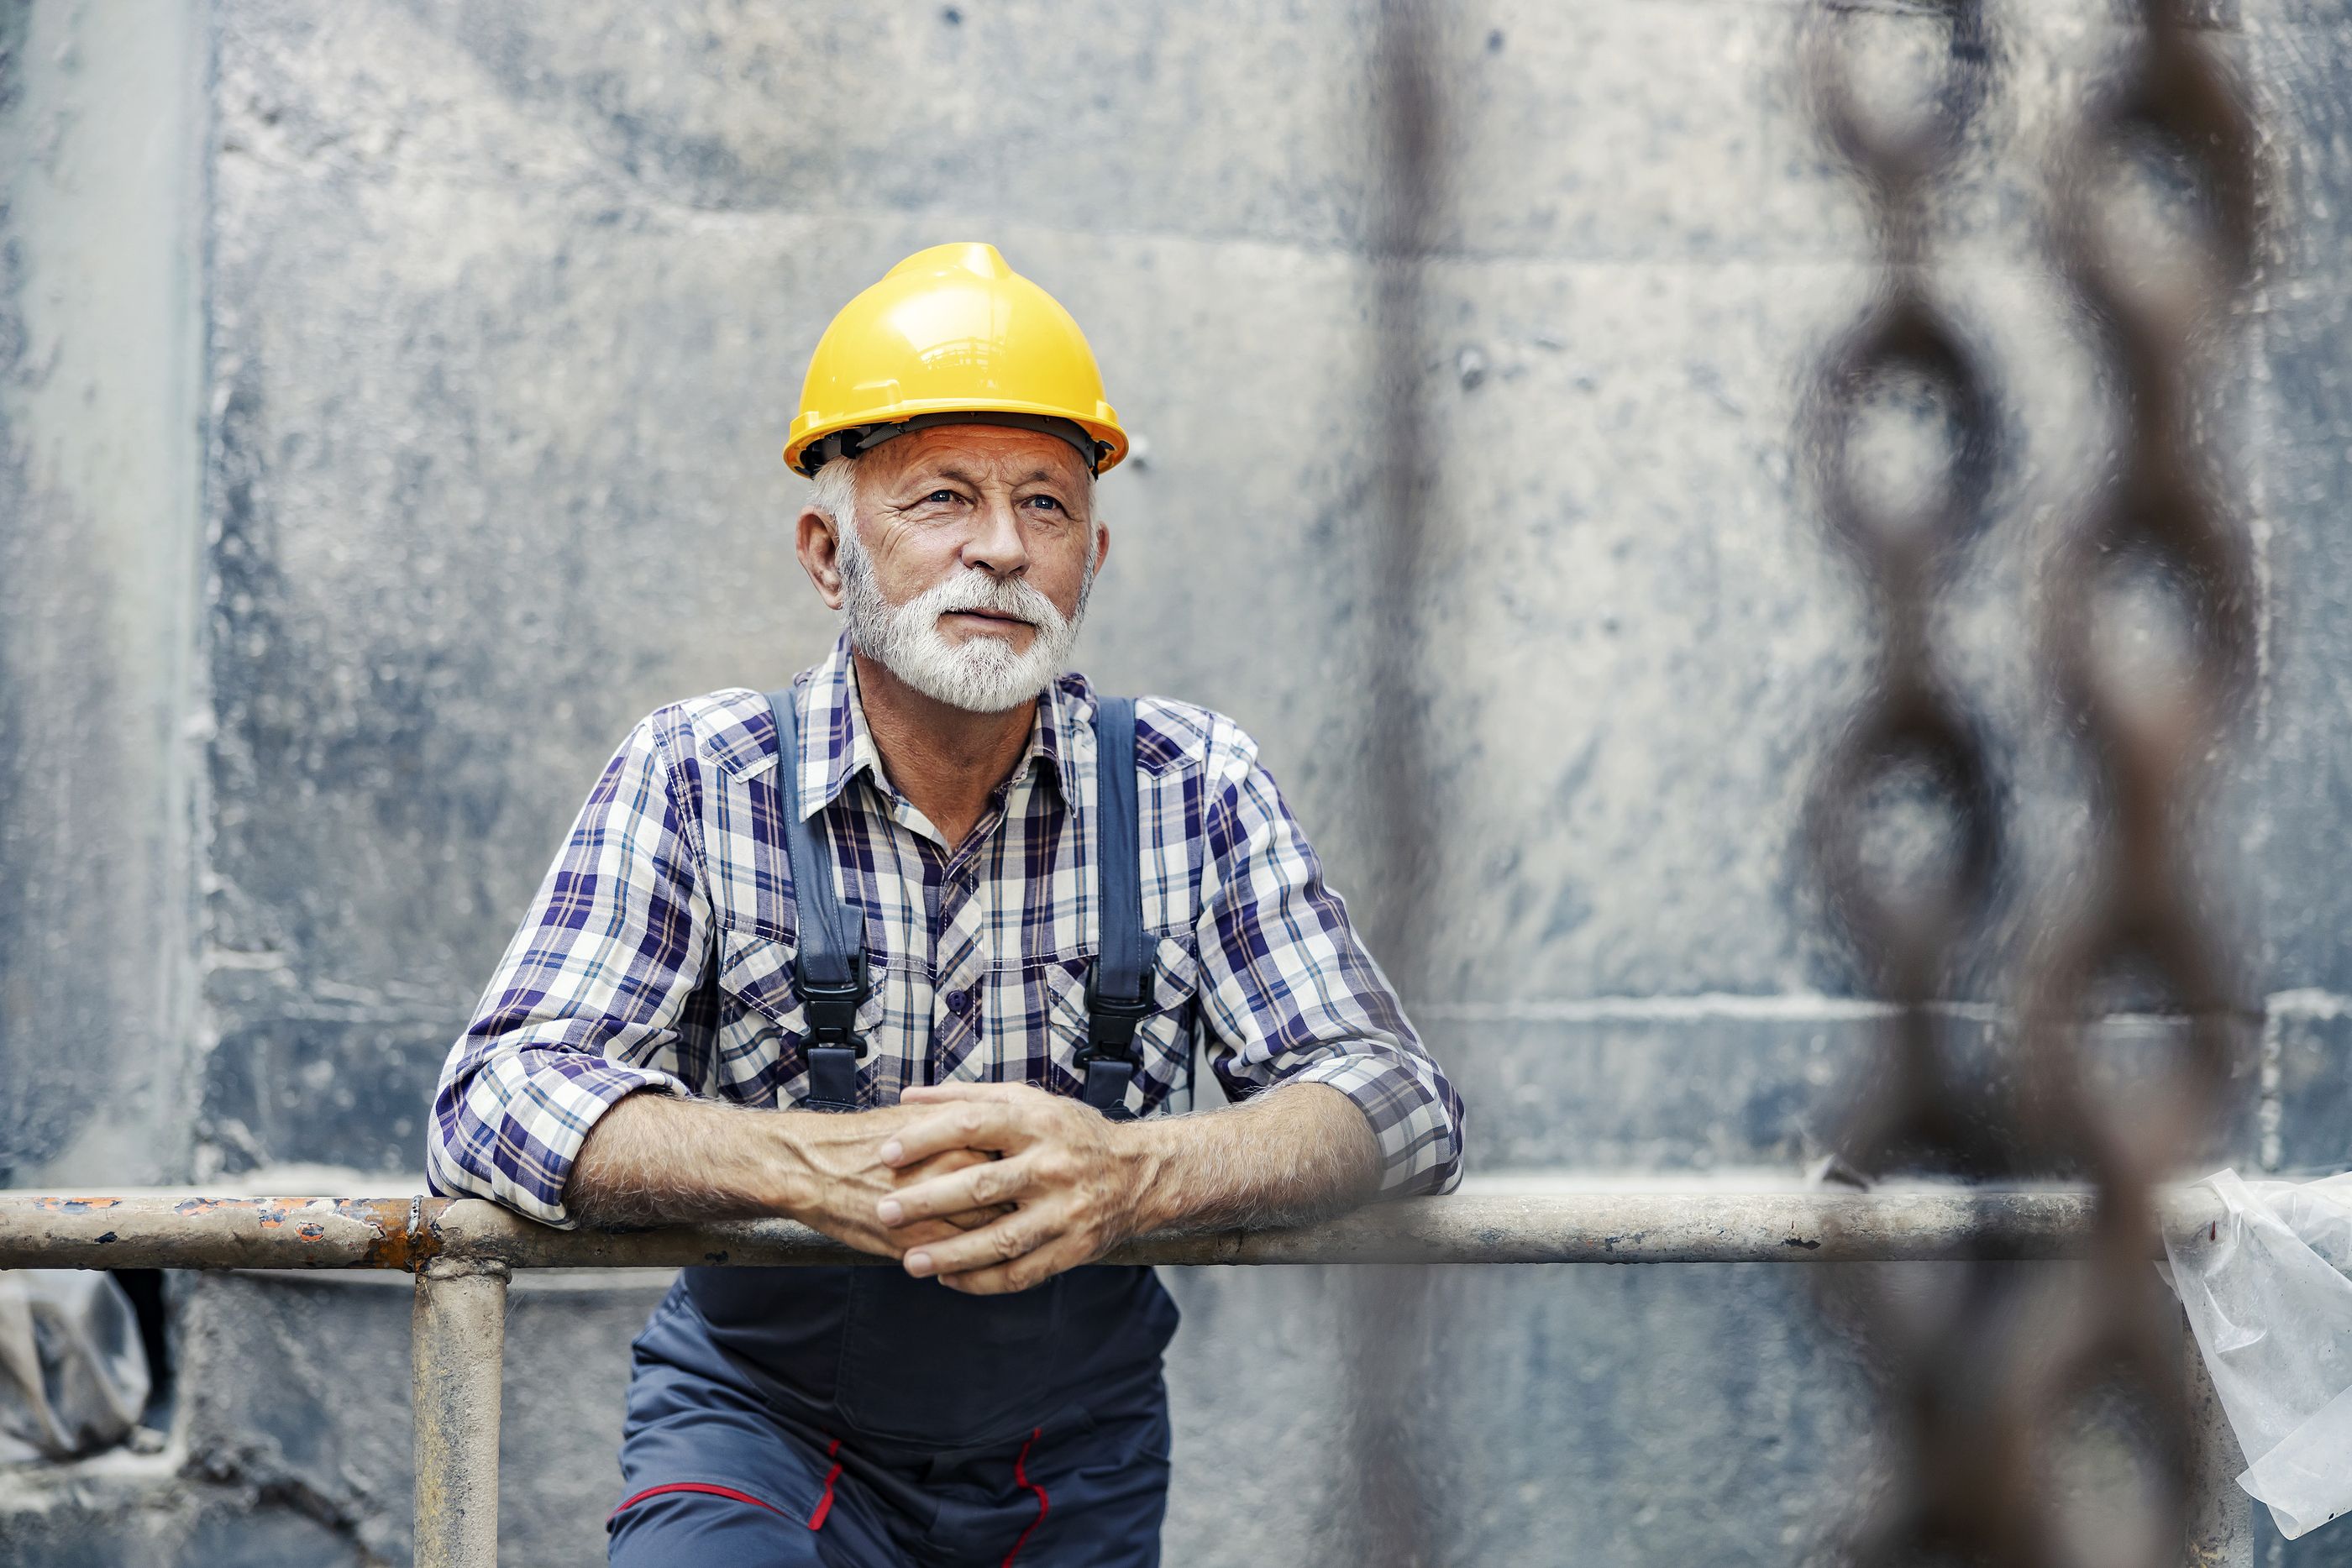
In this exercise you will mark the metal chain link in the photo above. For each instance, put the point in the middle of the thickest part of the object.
(1983, 1374)
(1913, 733)
(2157, 513)
(1914, 738)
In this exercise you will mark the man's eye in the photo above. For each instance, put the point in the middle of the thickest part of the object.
(941, 497)
(1044, 501)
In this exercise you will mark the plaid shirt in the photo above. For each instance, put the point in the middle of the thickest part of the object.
(659, 953)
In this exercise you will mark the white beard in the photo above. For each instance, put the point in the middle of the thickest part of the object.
(980, 674)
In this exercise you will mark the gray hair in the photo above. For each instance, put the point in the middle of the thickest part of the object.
(834, 492)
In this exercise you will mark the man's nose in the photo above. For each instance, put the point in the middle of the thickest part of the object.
(996, 544)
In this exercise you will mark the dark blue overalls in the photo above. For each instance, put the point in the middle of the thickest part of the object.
(856, 1416)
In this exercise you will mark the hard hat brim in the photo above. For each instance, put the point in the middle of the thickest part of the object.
(1102, 424)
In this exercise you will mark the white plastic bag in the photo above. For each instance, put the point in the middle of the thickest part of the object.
(73, 1372)
(2267, 1297)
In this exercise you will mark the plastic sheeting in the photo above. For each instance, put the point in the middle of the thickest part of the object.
(73, 1372)
(2267, 1297)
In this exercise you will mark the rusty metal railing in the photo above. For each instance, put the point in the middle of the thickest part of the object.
(464, 1253)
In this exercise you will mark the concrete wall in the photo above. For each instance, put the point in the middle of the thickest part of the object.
(334, 566)
(101, 525)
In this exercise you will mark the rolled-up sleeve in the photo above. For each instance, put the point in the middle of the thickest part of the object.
(586, 1005)
(1290, 996)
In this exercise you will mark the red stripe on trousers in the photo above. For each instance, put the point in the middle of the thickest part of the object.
(824, 1503)
(1021, 1477)
(703, 1487)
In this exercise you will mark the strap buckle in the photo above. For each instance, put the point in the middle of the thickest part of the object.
(1111, 1021)
(832, 1010)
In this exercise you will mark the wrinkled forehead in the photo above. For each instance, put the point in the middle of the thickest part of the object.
(979, 454)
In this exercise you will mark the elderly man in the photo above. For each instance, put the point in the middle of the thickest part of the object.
(985, 915)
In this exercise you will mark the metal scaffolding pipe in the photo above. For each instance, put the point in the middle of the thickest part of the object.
(170, 1232)
(458, 1335)
(2221, 1516)
(1581, 1228)
(186, 1231)
(463, 1252)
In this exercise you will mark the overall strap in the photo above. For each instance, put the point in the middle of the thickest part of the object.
(1118, 992)
(830, 973)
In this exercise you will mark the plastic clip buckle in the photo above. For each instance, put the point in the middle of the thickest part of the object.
(1111, 1021)
(832, 1010)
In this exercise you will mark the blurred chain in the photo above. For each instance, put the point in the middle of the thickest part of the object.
(2157, 516)
(1990, 1373)
(1913, 741)
(1913, 733)
(1385, 1513)
(1403, 198)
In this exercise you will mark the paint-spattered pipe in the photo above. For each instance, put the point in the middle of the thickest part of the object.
(201, 1232)
(1551, 1227)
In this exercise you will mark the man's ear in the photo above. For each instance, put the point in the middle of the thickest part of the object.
(1102, 545)
(819, 547)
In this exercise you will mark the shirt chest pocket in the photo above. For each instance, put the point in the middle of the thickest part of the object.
(1164, 1041)
(757, 972)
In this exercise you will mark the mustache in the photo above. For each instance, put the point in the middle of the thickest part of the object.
(978, 590)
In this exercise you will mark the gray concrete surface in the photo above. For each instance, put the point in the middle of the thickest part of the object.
(101, 549)
(389, 400)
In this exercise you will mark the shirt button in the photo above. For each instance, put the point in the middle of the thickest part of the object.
(958, 1002)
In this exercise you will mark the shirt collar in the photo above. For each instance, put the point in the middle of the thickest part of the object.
(837, 746)
(1067, 707)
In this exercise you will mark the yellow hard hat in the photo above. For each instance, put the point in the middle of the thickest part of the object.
(951, 335)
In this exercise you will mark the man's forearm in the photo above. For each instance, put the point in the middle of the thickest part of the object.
(656, 1159)
(1299, 1153)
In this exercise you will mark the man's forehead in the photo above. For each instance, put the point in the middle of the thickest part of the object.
(976, 451)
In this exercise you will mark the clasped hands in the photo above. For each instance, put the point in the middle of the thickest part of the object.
(988, 1187)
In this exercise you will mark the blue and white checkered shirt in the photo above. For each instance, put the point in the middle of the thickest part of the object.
(659, 953)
